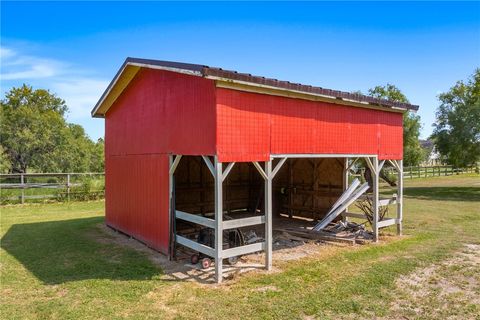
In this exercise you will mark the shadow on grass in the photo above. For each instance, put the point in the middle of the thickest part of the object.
(444, 193)
(62, 251)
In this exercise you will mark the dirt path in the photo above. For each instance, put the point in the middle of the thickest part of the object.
(448, 290)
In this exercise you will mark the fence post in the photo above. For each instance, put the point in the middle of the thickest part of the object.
(22, 182)
(68, 187)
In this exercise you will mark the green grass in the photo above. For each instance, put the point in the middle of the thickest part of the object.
(84, 188)
(54, 266)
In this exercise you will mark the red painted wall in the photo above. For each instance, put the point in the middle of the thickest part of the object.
(137, 197)
(251, 126)
(159, 113)
(163, 112)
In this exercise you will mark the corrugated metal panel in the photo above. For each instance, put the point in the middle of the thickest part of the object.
(162, 112)
(251, 126)
(137, 197)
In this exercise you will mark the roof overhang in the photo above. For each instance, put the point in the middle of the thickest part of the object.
(243, 82)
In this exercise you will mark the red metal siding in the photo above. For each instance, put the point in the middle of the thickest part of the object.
(160, 112)
(163, 112)
(250, 126)
(137, 197)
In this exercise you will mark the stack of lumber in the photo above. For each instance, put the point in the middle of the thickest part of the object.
(350, 195)
(347, 233)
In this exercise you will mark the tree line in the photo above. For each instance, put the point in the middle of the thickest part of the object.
(36, 137)
(456, 134)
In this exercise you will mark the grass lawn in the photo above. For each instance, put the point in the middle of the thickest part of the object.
(53, 266)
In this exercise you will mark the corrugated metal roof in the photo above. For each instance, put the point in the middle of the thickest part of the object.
(246, 78)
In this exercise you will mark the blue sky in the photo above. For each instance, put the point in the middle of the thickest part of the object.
(74, 49)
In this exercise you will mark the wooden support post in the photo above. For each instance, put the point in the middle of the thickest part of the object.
(218, 220)
(290, 187)
(400, 198)
(22, 182)
(68, 187)
(346, 171)
(268, 215)
(171, 211)
(375, 200)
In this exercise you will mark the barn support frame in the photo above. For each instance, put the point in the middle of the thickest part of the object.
(218, 253)
(268, 173)
(375, 167)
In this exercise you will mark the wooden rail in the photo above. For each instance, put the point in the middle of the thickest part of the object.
(432, 171)
(23, 181)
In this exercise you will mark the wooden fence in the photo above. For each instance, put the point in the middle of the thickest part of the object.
(433, 171)
(63, 186)
(16, 187)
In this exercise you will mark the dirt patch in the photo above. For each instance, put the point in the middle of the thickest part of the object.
(442, 290)
(183, 270)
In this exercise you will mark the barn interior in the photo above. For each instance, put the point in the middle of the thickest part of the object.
(303, 190)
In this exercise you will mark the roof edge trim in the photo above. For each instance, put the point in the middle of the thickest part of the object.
(288, 93)
(131, 66)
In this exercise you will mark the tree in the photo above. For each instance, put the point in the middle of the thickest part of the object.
(31, 127)
(457, 131)
(97, 155)
(35, 135)
(413, 153)
(4, 161)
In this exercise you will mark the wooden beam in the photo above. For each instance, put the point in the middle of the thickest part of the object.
(195, 246)
(227, 170)
(195, 218)
(380, 166)
(217, 174)
(209, 165)
(278, 167)
(175, 163)
(400, 197)
(387, 222)
(244, 222)
(260, 170)
(249, 248)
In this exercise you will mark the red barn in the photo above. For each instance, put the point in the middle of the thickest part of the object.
(191, 143)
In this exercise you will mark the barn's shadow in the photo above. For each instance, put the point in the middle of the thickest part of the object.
(62, 251)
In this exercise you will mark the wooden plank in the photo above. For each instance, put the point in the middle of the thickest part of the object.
(237, 251)
(342, 206)
(387, 222)
(195, 246)
(260, 170)
(244, 222)
(195, 219)
(227, 170)
(354, 215)
(386, 202)
(315, 235)
(209, 165)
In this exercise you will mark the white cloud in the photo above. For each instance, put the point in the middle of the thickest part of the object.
(69, 82)
(80, 94)
(6, 52)
(17, 66)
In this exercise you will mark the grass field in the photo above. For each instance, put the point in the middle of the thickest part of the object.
(53, 266)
